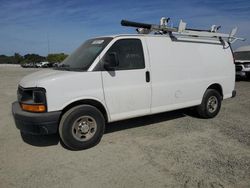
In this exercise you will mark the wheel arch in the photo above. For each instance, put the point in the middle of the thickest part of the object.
(217, 87)
(92, 102)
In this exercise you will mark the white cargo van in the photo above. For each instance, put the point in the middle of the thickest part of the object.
(124, 76)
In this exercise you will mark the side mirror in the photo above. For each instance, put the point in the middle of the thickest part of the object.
(111, 61)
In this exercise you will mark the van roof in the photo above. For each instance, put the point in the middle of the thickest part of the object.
(121, 35)
(183, 38)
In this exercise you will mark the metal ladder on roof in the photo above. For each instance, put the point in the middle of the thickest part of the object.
(181, 30)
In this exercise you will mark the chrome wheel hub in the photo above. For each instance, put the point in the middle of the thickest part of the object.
(212, 104)
(84, 128)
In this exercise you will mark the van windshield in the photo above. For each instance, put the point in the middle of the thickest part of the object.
(82, 58)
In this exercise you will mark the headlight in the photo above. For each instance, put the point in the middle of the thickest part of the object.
(32, 99)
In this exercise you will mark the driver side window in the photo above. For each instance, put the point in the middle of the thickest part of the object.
(129, 53)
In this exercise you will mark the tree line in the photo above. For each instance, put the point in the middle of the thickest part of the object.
(32, 58)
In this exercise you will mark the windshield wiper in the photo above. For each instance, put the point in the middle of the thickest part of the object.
(68, 68)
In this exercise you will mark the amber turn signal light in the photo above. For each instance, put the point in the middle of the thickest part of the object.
(33, 107)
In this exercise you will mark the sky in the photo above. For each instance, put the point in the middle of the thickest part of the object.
(53, 26)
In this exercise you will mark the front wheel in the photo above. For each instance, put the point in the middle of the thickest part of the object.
(210, 105)
(81, 127)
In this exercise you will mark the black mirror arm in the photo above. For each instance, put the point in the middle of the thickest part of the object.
(111, 62)
(107, 67)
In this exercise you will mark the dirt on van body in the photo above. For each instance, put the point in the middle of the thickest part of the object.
(173, 149)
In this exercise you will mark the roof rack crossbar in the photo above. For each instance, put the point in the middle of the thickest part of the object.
(163, 28)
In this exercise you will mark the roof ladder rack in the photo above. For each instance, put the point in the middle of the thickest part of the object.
(163, 28)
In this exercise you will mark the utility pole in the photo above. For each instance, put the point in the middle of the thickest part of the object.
(48, 43)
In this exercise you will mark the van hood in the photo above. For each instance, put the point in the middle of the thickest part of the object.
(37, 78)
(64, 87)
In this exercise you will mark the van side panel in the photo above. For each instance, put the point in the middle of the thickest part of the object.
(219, 67)
(181, 71)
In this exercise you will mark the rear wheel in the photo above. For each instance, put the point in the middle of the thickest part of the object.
(210, 105)
(81, 127)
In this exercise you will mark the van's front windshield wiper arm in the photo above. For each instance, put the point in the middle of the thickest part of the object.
(68, 68)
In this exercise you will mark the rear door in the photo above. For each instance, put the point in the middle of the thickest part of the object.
(127, 88)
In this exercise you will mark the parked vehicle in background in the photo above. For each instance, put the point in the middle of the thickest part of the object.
(242, 61)
(28, 65)
(37, 65)
(44, 64)
(57, 64)
(24, 65)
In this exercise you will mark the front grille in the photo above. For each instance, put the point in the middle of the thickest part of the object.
(247, 65)
(238, 68)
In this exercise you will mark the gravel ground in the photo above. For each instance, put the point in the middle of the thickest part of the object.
(173, 149)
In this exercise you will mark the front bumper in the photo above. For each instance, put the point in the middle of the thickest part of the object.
(35, 123)
(242, 71)
(242, 74)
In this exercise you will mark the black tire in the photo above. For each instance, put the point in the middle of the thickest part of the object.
(248, 75)
(75, 138)
(205, 109)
